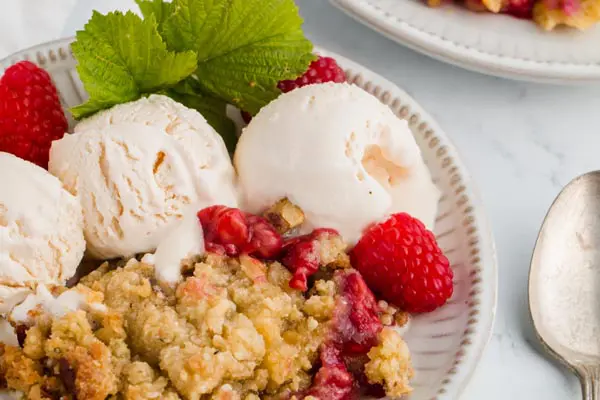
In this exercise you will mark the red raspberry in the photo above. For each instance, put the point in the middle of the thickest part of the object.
(401, 260)
(324, 69)
(302, 256)
(519, 8)
(233, 232)
(31, 116)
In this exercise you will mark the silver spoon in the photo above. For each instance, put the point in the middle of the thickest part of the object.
(564, 281)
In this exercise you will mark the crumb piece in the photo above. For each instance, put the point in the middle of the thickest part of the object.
(34, 342)
(390, 364)
(391, 315)
(284, 216)
(319, 307)
(333, 252)
(402, 318)
(144, 383)
(94, 378)
(20, 372)
(226, 392)
(193, 370)
(153, 328)
(254, 269)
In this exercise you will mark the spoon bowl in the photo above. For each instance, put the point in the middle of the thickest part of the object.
(564, 281)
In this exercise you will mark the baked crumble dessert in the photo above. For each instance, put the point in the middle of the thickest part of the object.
(233, 329)
(548, 14)
(263, 314)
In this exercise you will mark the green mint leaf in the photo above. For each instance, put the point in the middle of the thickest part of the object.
(244, 47)
(91, 107)
(214, 110)
(159, 8)
(121, 57)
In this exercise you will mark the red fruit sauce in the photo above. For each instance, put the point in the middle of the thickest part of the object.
(519, 8)
(355, 330)
(230, 231)
(301, 255)
(356, 324)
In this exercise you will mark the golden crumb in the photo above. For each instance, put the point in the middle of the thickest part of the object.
(233, 329)
(284, 216)
(390, 364)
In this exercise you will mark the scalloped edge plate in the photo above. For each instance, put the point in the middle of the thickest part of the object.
(448, 343)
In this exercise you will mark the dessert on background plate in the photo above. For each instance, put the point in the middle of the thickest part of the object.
(288, 277)
(548, 14)
(496, 45)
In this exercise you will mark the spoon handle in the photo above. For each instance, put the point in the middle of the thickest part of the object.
(589, 375)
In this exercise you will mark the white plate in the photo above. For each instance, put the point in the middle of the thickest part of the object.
(446, 344)
(492, 44)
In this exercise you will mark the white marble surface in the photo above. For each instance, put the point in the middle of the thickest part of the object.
(522, 141)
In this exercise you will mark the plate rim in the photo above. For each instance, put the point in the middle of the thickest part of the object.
(484, 277)
(465, 366)
(464, 56)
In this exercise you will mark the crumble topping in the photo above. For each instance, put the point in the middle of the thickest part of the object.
(234, 328)
(389, 364)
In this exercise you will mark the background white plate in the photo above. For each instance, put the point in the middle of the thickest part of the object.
(447, 344)
(492, 44)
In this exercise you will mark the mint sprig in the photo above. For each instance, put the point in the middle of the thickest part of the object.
(203, 53)
(244, 47)
(122, 57)
(159, 8)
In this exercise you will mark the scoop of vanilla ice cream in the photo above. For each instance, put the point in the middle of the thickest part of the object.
(339, 154)
(41, 230)
(137, 167)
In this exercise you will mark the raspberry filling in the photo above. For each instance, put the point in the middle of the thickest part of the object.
(231, 232)
(356, 323)
(355, 330)
(302, 256)
(519, 8)
(333, 381)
